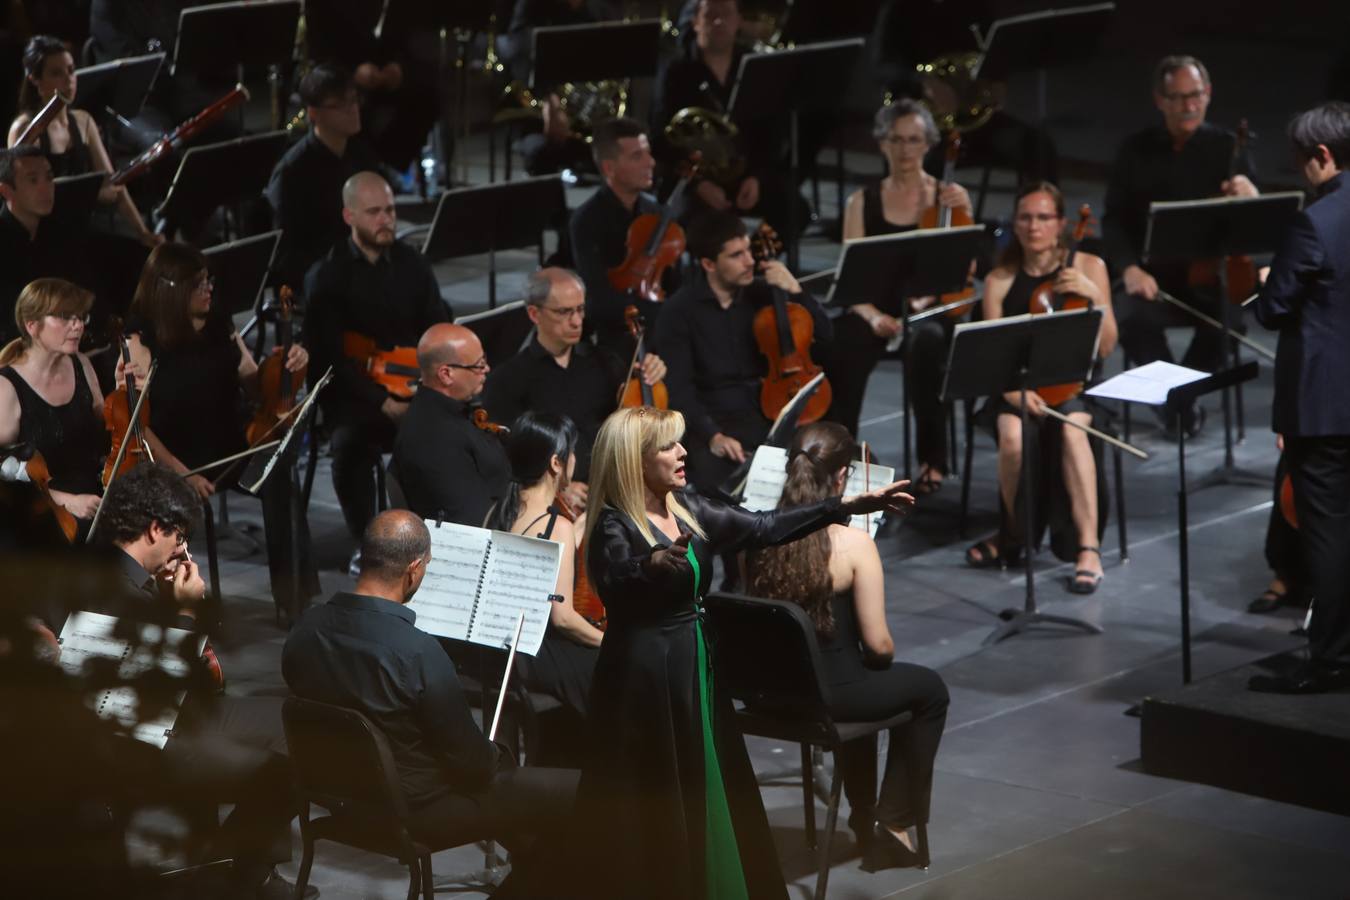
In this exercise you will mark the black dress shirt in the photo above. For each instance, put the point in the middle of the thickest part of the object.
(585, 391)
(599, 231)
(306, 196)
(23, 257)
(714, 365)
(392, 300)
(448, 467)
(1149, 168)
(366, 653)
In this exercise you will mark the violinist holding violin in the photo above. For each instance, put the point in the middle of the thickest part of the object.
(560, 372)
(1038, 267)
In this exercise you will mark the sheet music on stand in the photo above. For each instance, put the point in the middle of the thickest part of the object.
(768, 474)
(90, 636)
(780, 433)
(259, 469)
(480, 582)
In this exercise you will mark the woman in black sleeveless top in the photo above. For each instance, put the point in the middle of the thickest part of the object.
(541, 451)
(836, 576)
(72, 141)
(905, 132)
(50, 401)
(1066, 474)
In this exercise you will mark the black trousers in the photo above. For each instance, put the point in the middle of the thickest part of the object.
(356, 446)
(855, 354)
(1142, 322)
(1320, 467)
(907, 785)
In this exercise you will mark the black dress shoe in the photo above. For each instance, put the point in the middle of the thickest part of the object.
(1307, 678)
(887, 852)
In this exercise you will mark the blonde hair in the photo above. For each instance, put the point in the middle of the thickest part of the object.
(625, 438)
(43, 297)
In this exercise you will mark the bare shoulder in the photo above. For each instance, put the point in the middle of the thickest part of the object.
(1089, 262)
(1002, 275)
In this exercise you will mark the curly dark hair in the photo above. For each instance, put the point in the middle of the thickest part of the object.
(148, 493)
(800, 571)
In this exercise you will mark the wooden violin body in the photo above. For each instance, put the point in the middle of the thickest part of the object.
(654, 244)
(1239, 272)
(584, 598)
(276, 383)
(783, 332)
(117, 411)
(939, 216)
(43, 503)
(1044, 299)
(636, 391)
(394, 370)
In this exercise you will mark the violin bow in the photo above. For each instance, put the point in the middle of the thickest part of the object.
(122, 448)
(1210, 320)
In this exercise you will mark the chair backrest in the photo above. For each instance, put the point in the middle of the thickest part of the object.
(342, 762)
(767, 657)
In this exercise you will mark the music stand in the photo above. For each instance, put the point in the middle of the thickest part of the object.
(911, 264)
(806, 78)
(239, 34)
(76, 200)
(505, 216)
(214, 175)
(240, 269)
(1185, 230)
(503, 331)
(1051, 37)
(1022, 353)
(117, 88)
(607, 51)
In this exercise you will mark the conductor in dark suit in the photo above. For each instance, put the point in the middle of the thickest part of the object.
(1307, 299)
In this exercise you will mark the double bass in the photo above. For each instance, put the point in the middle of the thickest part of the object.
(1045, 300)
(655, 243)
(636, 391)
(939, 216)
(783, 332)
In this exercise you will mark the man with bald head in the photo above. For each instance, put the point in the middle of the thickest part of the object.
(382, 289)
(559, 372)
(448, 467)
(362, 650)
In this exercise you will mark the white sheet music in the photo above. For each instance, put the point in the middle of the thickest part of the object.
(480, 581)
(768, 473)
(87, 636)
(1146, 384)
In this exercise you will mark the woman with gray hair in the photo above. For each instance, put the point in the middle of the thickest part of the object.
(905, 132)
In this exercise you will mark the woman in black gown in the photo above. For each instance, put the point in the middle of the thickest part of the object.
(836, 576)
(667, 789)
(1068, 497)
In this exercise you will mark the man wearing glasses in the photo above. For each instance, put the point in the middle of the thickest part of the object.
(1182, 158)
(558, 372)
(448, 466)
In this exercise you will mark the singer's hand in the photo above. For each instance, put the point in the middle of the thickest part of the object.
(670, 560)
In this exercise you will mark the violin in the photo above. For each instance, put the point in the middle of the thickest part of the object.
(1045, 300)
(584, 598)
(939, 216)
(394, 370)
(1240, 280)
(783, 332)
(118, 408)
(41, 479)
(636, 391)
(480, 419)
(655, 243)
(179, 136)
(276, 383)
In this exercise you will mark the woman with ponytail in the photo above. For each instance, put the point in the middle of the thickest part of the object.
(836, 576)
(541, 452)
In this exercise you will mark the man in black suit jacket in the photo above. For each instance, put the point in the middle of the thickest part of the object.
(1307, 299)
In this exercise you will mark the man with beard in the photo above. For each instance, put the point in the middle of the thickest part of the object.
(383, 289)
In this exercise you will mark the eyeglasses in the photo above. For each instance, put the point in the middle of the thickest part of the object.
(896, 140)
(1035, 218)
(206, 284)
(567, 312)
(69, 319)
(480, 366)
(1191, 97)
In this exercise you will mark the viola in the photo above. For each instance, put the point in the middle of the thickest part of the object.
(939, 216)
(276, 383)
(636, 391)
(655, 243)
(1240, 280)
(118, 408)
(179, 136)
(41, 479)
(783, 332)
(584, 598)
(1045, 300)
(395, 370)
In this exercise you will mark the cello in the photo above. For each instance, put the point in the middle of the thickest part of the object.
(939, 216)
(655, 243)
(276, 383)
(636, 391)
(1045, 300)
(783, 332)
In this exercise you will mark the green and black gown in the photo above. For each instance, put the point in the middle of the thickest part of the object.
(667, 792)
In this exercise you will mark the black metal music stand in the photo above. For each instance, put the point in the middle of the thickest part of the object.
(503, 331)
(1048, 39)
(239, 34)
(1022, 353)
(1181, 231)
(240, 269)
(117, 89)
(911, 264)
(76, 200)
(222, 174)
(602, 52)
(805, 78)
(505, 216)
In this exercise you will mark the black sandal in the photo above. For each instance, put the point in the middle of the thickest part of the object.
(1083, 580)
(926, 484)
(992, 554)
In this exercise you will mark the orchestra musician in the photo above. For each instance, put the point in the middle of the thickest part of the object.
(707, 339)
(599, 227)
(305, 190)
(450, 466)
(204, 374)
(376, 286)
(1065, 470)
(835, 575)
(1306, 298)
(1182, 158)
(559, 372)
(905, 132)
(29, 245)
(71, 141)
